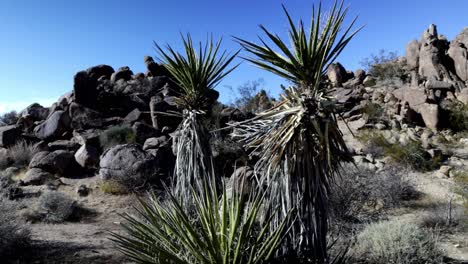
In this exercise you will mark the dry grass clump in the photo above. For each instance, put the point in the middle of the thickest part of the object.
(21, 153)
(360, 195)
(113, 187)
(53, 207)
(15, 235)
(396, 242)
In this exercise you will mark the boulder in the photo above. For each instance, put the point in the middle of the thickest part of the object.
(143, 132)
(360, 75)
(87, 137)
(337, 74)
(414, 96)
(63, 145)
(369, 81)
(134, 116)
(36, 176)
(156, 142)
(100, 71)
(59, 161)
(128, 163)
(412, 55)
(431, 55)
(85, 89)
(36, 112)
(87, 157)
(9, 135)
(123, 73)
(54, 127)
(83, 117)
(430, 115)
(433, 84)
(152, 67)
(458, 52)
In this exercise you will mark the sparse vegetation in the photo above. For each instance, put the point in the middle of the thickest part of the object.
(113, 187)
(52, 207)
(411, 154)
(21, 153)
(373, 112)
(397, 242)
(385, 66)
(461, 188)
(359, 195)
(117, 135)
(251, 98)
(458, 117)
(15, 235)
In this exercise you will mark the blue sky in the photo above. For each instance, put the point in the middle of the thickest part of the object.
(44, 43)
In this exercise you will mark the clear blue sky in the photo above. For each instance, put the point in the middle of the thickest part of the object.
(44, 43)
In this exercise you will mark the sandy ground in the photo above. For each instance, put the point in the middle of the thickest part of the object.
(85, 241)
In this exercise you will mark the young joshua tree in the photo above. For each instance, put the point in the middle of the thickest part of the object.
(298, 142)
(196, 72)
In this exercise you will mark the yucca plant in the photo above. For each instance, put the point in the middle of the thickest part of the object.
(196, 72)
(218, 230)
(298, 142)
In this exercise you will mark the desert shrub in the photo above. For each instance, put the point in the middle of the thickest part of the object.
(215, 230)
(9, 118)
(373, 112)
(385, 66)
(461, 186)
(443, 215)
(15, 235)
(113, 187)
(251, 98)
(458, 117)
(21, 153)
(117, 135)
(360, 194)
(411, 154)
(8, 188)
(397, 242)
(53, 207)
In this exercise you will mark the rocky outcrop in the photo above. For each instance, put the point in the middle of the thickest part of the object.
(458, 52)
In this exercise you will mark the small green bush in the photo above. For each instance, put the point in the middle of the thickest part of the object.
(411, 154)
(396, 242)
(461, 188)
(117, 135)
(21, 153)
(458, 117)
(15, 235)
(113, 187)
(53, 207)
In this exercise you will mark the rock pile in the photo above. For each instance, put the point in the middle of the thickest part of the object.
(437, 72)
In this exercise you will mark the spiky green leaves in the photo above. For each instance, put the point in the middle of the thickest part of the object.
(304, 61)
(219, 231)
(197, 71)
